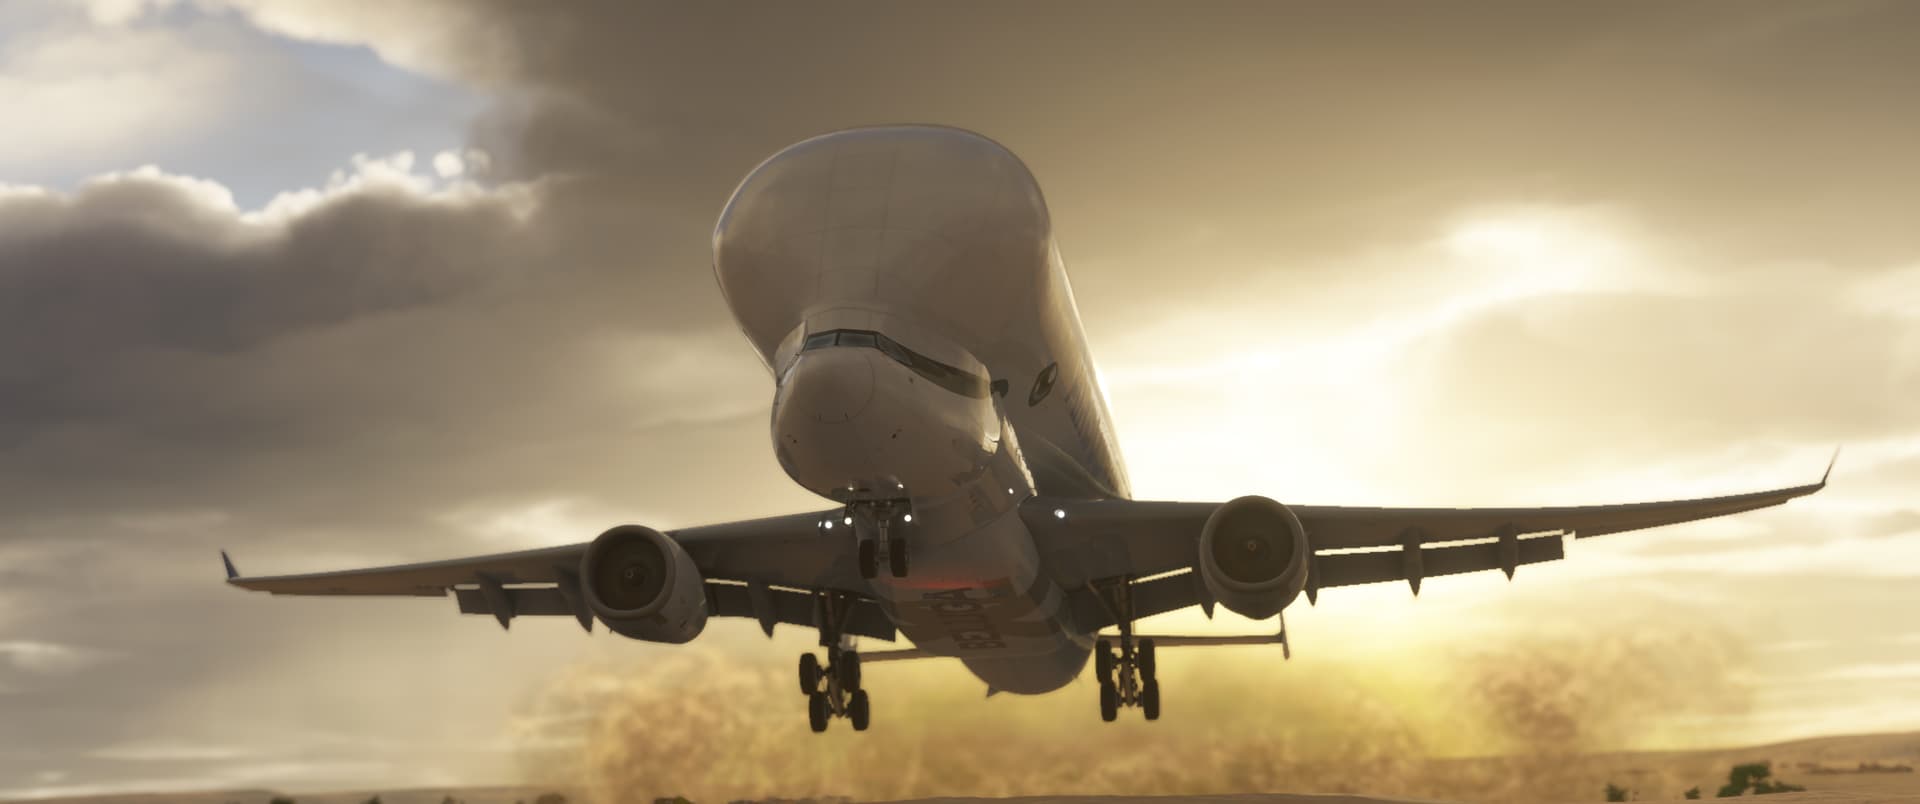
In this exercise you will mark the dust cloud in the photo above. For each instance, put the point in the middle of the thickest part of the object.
(1523, 717)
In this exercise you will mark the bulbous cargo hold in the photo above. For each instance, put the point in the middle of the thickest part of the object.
(1253, 556)
(929, 250)
(643, 585)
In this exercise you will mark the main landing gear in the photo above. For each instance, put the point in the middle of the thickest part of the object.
(1127, 676)
(833, 690)
(877, 530)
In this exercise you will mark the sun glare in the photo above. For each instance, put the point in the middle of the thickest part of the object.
(1501, 237)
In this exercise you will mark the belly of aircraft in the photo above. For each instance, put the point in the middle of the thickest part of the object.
(979, 596)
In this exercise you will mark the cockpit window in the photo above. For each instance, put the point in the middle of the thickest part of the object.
(941, 374)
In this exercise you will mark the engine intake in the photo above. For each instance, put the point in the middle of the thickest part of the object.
(643, 585)
(1253, 556)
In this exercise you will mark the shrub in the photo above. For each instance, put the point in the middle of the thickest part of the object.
(1754, 776)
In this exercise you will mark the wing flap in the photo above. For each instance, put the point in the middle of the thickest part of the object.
(792, 607)
(425, 579)
(1182, 589)
(787, 559)
(538, 601)
(1084, 540)
(1334, 527)
(1380, 566)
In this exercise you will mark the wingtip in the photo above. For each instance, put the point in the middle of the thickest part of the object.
(228, 560)
(1830, 462)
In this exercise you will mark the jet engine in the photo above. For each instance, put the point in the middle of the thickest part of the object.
(1253, 556)
(643, 585)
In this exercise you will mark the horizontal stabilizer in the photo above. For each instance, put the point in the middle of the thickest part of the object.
(1161, 641)
(1177, 641)
(871, 656)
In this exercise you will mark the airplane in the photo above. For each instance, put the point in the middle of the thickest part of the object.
(931, 379)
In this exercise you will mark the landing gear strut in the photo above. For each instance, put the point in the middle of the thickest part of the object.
(877, 526)
(833, 689)
(1127, 677)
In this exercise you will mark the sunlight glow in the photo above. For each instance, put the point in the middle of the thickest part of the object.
(1335, 391)
(1502, 237)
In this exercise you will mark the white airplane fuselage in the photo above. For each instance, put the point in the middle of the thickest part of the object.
(903, 286)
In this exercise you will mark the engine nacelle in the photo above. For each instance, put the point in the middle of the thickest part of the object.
(643, 585)
(1253, 556)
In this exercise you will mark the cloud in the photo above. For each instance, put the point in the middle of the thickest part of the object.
(94, 92)
(169, 752)
(49, 658)
(1874, 672)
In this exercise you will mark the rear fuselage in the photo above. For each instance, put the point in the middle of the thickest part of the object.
(902, 285)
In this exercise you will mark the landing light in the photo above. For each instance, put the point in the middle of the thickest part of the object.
(1059, 513)
(908, 517)
(828, 524)
(849, 520)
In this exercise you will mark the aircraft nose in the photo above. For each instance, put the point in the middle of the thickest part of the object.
(830, 386)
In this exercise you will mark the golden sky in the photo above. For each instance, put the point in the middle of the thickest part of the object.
(1355, 253)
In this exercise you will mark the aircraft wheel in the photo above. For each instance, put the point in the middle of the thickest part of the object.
(809, 673)
(1150, 699)
(1109, 701)
(1146, 659)
(858, 710)
(897, 556)
(848, 669)
(869, 558)
(1103, 661)
(818, 711)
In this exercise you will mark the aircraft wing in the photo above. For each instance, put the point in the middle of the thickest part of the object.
(772, 570)
(1089, 540)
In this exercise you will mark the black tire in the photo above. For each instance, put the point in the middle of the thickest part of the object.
(848, 669)
(897, 556)
(809, 674)
(1103, 662)
(818, 711)
(869, 556)
(858, 710)
(1109, 702)
(1147, 664)
(1150, 699)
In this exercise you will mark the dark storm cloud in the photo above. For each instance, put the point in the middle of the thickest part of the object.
(152, 345)
(1294, 128)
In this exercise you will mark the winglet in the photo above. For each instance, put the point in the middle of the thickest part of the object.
(231, 572)
(1830, 462)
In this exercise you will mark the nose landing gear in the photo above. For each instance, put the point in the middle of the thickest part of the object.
(877, 526)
